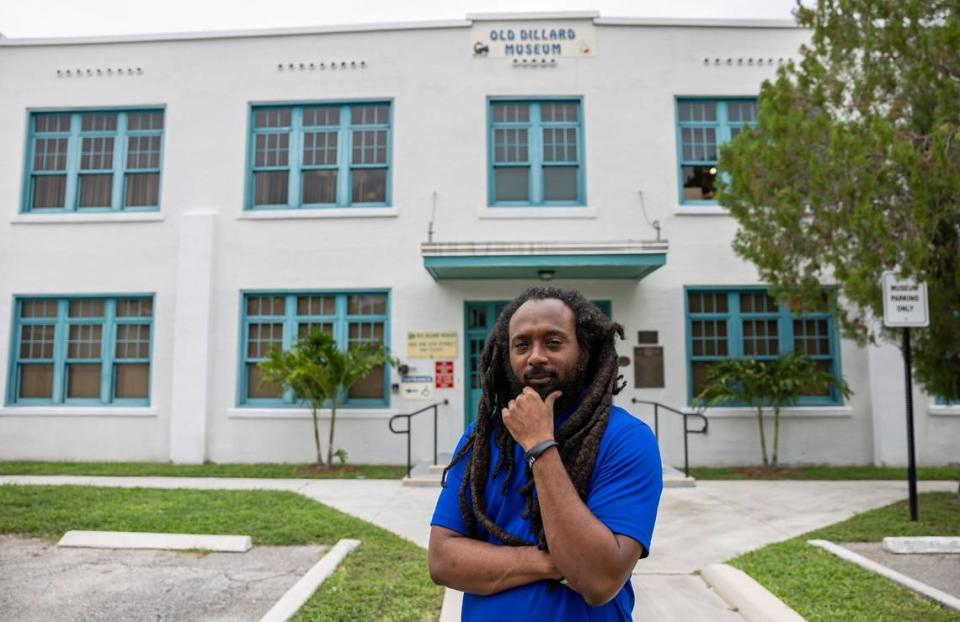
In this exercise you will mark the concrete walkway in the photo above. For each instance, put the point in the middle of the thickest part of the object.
(695, 527)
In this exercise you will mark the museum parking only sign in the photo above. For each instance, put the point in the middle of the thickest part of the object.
(904, 303)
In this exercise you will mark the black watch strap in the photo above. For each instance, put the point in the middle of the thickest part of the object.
(534, 452)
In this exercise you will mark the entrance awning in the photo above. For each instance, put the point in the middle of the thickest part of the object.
(543, 260)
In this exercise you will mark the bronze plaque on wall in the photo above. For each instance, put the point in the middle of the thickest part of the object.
(648, 367)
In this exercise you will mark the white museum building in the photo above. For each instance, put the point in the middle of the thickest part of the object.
(174, 206)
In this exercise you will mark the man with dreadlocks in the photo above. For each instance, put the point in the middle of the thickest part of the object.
(551, 496)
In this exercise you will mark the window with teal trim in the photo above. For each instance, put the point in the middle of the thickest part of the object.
(703, 125)
(315, 156)
(81, 351)
(536, 153)
(94, 161)
(278, 320)
(748, 323)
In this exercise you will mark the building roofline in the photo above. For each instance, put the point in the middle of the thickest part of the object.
(594, 16)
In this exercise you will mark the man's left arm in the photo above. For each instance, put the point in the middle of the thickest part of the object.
(594, 560)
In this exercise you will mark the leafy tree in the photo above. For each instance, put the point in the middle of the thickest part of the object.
(319, 372)
(766, 384)
(854, 169)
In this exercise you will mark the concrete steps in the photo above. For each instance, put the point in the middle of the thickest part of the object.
(426, 475)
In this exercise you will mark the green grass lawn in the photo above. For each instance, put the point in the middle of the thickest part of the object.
(822, 587)
(385, 579)
(825, 472)
(165, 469)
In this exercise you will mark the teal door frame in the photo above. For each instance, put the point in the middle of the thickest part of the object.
(476, 329)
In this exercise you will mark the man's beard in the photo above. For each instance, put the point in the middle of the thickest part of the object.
(570, 388)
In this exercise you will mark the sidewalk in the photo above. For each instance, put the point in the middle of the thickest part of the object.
(695, 527)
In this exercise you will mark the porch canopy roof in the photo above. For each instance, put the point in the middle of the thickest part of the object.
(543, 260)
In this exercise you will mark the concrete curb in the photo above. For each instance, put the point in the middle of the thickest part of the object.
(163, 541)
(922, 545)
(930, 592)
(751, 599)
(290, 603)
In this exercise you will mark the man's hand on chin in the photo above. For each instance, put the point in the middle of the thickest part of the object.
(529, 419)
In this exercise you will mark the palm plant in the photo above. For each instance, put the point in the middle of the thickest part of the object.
(766, 384)
(316, 370)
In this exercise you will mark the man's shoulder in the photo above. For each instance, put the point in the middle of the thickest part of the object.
(624, 429)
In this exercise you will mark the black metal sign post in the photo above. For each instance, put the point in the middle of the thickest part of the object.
(911, 452)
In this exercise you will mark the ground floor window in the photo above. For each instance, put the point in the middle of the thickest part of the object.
(279, 319)
(747, 323)
(88, 350)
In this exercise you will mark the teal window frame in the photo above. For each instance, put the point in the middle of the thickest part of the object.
(733, 320)
(295, 166)
(108, 359)
(74, 136)
(290, 320)
(535, 161)
(723, 128)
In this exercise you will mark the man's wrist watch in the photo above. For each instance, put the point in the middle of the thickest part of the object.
(537, 450)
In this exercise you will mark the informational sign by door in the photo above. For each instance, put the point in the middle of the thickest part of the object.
(444, 374)
(416, 387)
(904, 303)
(432, 344)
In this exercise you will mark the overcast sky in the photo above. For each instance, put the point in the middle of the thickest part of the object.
(69, 18)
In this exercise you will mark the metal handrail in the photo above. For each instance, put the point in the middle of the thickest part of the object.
(406, 431)
(686, 428)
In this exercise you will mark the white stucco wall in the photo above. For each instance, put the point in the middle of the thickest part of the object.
(438, 91)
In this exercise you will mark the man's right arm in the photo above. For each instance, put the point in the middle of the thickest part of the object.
(469, 565)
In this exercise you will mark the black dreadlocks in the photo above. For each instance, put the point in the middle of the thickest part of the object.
(579, 436)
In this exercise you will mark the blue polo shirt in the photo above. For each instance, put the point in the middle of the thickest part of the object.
(623, 494)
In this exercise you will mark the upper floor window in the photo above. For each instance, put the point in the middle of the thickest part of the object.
(702, 126)
(81, 351)
(748, 323)
(329, 155)
(278, 320)
(94, 161)
(536, 153)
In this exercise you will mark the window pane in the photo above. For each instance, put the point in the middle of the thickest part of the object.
(52, 123)
(271, 149)
(49, 191)
(98, 122)
(369, 185)
(50, 154)
(370, 147)
(366, 304)
(97, 153)
(86, 308)
(320, 186)
(699, 143)
(133, 341)
(36, 341)
(316, 305)
(272, 118)
(700, 369)
(559, 112)
(265, 305)
(144, 121)
(135, 307)
(268, 390)
(305, 329)
(377, 114)
(319, 148)
(96, 190)
(370, 386)
(84, 341)
(313, 117)
(36, 381)
(698, 182)
(143, 189)
(270, 188)
(38, 308)
(560, 144)
(510, 145)
(742, 112)
(131, 380)
(262, 338)
(83, 380)
(560, 183)
(511, 113)
(698, 111)
(143, 152)
(512, 184)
